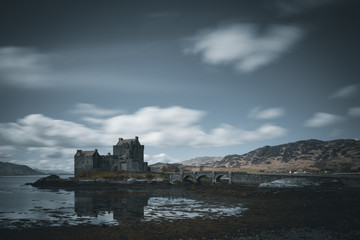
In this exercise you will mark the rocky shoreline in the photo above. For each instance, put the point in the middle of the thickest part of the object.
(54, 181)
(192, 229)
(274, 213)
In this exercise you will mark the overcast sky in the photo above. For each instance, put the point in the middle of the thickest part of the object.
(190, 78)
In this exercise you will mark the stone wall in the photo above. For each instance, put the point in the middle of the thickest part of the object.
(120, 150)
(128, 155)
(138, 154)
(83, 164)
(133, 151)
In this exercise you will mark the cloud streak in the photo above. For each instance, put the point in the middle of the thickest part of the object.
(346, 91)
(37, 130)
(321, 119)
(354, 112)
(245, 46)
(51, 153)
(91, 110)
(24, 68)
(269, 113)
(290, 7)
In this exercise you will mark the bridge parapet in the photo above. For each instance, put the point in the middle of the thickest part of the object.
(257, 178)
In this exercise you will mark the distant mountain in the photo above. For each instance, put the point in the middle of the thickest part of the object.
(54, 172)
(159, 167)
(202, 161)
(337, 155)
(11, 169)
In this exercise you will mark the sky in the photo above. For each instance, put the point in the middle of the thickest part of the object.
(189, 78)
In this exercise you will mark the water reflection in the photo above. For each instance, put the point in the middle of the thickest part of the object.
(160, 208)
(124, 206)
(23, 206)
(136, 206)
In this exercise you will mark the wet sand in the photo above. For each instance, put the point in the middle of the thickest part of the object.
(306, 213)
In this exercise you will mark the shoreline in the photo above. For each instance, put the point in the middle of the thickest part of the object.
(184, 229)
(305, 213)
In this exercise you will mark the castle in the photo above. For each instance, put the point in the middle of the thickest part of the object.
(128, 156)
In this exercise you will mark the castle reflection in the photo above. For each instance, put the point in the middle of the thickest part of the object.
(125, 206)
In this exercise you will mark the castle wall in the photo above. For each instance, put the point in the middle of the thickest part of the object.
(83, 164)
(130, 150)
(122, 150)
(106, 163)
(135, 166)
(127, 156)
(97, 160)
(138, 154)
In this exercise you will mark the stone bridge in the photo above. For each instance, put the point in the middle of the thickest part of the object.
(257, 178)
(196, 177)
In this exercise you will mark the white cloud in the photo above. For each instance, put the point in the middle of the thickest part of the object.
(161, 157)
(346, 91)
(24, 67)
(269, 113)
(53, 142)
(321, 119)
(177, 126)
(91, 110)
(266, 131)
(37, 130)
(354, 112)
(173, 126)
(245, 46)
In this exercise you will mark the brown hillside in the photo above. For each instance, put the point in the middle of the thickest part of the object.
(337, 155)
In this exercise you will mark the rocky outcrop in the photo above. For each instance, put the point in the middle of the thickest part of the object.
(54, 181)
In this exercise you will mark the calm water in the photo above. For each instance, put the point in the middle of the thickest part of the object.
(24, 206)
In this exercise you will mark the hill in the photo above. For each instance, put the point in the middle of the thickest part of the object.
(202, 161)
(167, 167)
(53, 172)
(188, 164)
(11, 169)
(337, 155)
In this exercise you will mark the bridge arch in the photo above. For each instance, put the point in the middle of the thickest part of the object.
(206, 178)
(189, 178)
(222, 178)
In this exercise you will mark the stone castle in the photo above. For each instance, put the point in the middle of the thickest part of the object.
(128, 156)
